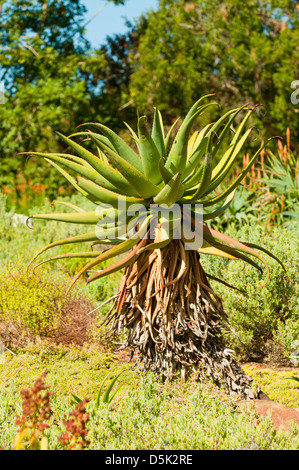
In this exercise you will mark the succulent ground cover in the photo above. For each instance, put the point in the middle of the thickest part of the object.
(144, 414)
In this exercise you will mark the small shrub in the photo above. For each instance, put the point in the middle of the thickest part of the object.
(75, 436)
(266, 319)
(32, 302)
(33, 422)
(35, 305)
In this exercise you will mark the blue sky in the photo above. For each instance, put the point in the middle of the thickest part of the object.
(111, 19)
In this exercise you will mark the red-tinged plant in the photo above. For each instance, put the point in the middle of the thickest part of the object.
(36, 411)
(75, 436)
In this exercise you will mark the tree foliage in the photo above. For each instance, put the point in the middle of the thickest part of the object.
(50, 75)
(242, 51)
(54, 80)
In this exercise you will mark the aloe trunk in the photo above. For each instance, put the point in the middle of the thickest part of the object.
(174, 320)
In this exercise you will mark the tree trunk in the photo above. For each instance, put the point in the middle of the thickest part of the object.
(173, 320)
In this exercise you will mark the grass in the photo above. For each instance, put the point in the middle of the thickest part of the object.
(70, 369)
(145, 414)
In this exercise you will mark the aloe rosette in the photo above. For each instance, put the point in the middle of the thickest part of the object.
(165, 296)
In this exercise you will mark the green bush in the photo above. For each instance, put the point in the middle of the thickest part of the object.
(34, 306)
(265, 319)
(31, 302)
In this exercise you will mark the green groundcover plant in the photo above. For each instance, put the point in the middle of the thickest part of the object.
(146, 418)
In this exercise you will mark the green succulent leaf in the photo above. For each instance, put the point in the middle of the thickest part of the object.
(118, 178)
(101, 167)
(171, 192)
(206, 173)
(118, 144)
(166, 175)
(139, 182)
(71, 180)
(234, 185)
(158, 134)
(68, 204)
(150, 155)
(105, 195)
(123, 247)
(82, 238)
(169, 134)
(177, 158)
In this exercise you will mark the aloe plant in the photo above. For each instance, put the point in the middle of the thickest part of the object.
(280, 196)
(274, 187)
(103, 396)
(172, 317)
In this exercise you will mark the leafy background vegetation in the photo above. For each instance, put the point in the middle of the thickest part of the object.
(55, 80)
